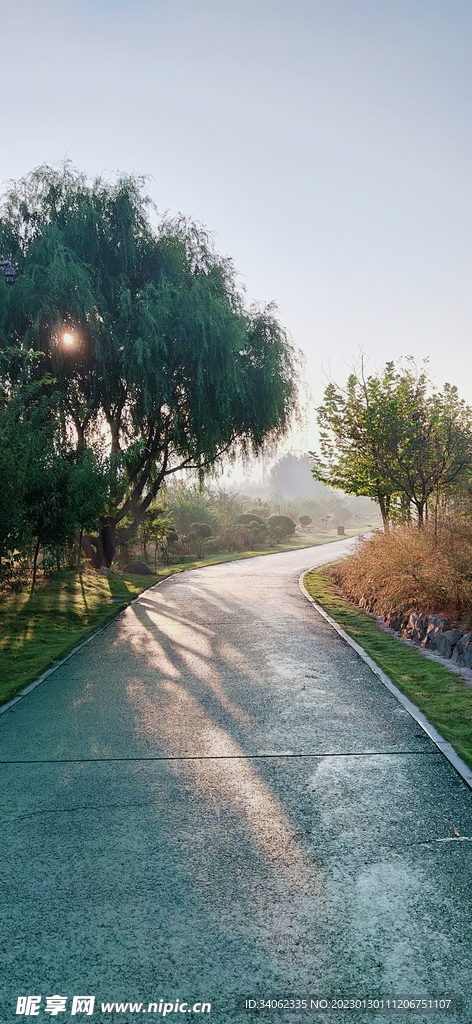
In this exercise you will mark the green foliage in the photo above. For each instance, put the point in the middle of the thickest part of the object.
(188, 504)
(246, 518)
(144, 332)
(261, 509)
(392, 438)
(281, 527)
(88, 488)
(201, 530)
(12, 526)
(305, 521)
(49, 490)
(199, 533)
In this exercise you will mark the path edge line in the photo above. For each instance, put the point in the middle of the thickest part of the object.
(446, 749)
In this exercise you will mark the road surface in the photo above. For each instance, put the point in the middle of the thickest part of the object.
(216, 799)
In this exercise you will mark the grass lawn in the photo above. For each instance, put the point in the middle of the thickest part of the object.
(438, 692)
(40, 628)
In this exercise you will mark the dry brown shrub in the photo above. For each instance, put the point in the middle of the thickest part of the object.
(412, 568)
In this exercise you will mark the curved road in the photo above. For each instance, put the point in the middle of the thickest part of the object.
(216, 799)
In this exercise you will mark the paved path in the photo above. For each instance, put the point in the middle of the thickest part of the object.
(216, 798)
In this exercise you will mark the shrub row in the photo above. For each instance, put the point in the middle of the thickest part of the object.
(429, 570)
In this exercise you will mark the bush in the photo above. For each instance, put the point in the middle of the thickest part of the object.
(281, 527)
(187, 505)
(212, 546)
(247, 518)
(199, 533)
(229, 539)
(429, 570)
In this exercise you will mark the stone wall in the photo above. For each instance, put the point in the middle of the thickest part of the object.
(433, 633)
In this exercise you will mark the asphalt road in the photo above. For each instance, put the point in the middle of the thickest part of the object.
(216, 799)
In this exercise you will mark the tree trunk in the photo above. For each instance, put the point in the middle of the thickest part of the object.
(108, 542)
(91, 548)
(101, 550)
(35, 563)
(420, 505)
(384, 503)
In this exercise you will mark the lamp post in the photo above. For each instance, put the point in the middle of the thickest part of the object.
(9, 271)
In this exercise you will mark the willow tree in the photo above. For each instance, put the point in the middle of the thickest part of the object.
(145, 333)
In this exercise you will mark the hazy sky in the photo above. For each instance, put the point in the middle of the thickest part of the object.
(325, 142)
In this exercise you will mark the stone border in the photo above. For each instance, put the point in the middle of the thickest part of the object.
(457, 763)
(464, 673)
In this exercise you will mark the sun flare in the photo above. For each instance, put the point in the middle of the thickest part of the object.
(68, 338)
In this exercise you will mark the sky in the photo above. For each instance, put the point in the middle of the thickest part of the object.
(326, 143)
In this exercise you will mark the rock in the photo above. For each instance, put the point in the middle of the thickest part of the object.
(463, 643)
(422, 624)
(417, 626)
(436, 621)
(456, 634)
(139, 569)
(458, 658)
(394, 620)
(412, 620)
(435, 627)
(446, 641)
(443, 645)
(462, 653)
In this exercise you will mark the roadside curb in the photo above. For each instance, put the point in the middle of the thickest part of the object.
(457, 763)
(75, 650)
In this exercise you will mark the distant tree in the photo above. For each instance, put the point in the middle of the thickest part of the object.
(246, 518)
(145, 333)
(199, 533)
(281, 527)
(305, 521)
(188, 503)
(390, 437)
(291, 476)
(158, 527)
(225, 508)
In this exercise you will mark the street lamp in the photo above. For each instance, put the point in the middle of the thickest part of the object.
(9, 271)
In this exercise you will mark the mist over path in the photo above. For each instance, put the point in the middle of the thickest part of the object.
(216, 798)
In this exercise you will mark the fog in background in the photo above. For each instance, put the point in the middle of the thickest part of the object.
(325, 142)
(288, 486)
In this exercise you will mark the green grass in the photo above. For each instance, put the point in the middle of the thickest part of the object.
(438, 692)
(39, 628)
